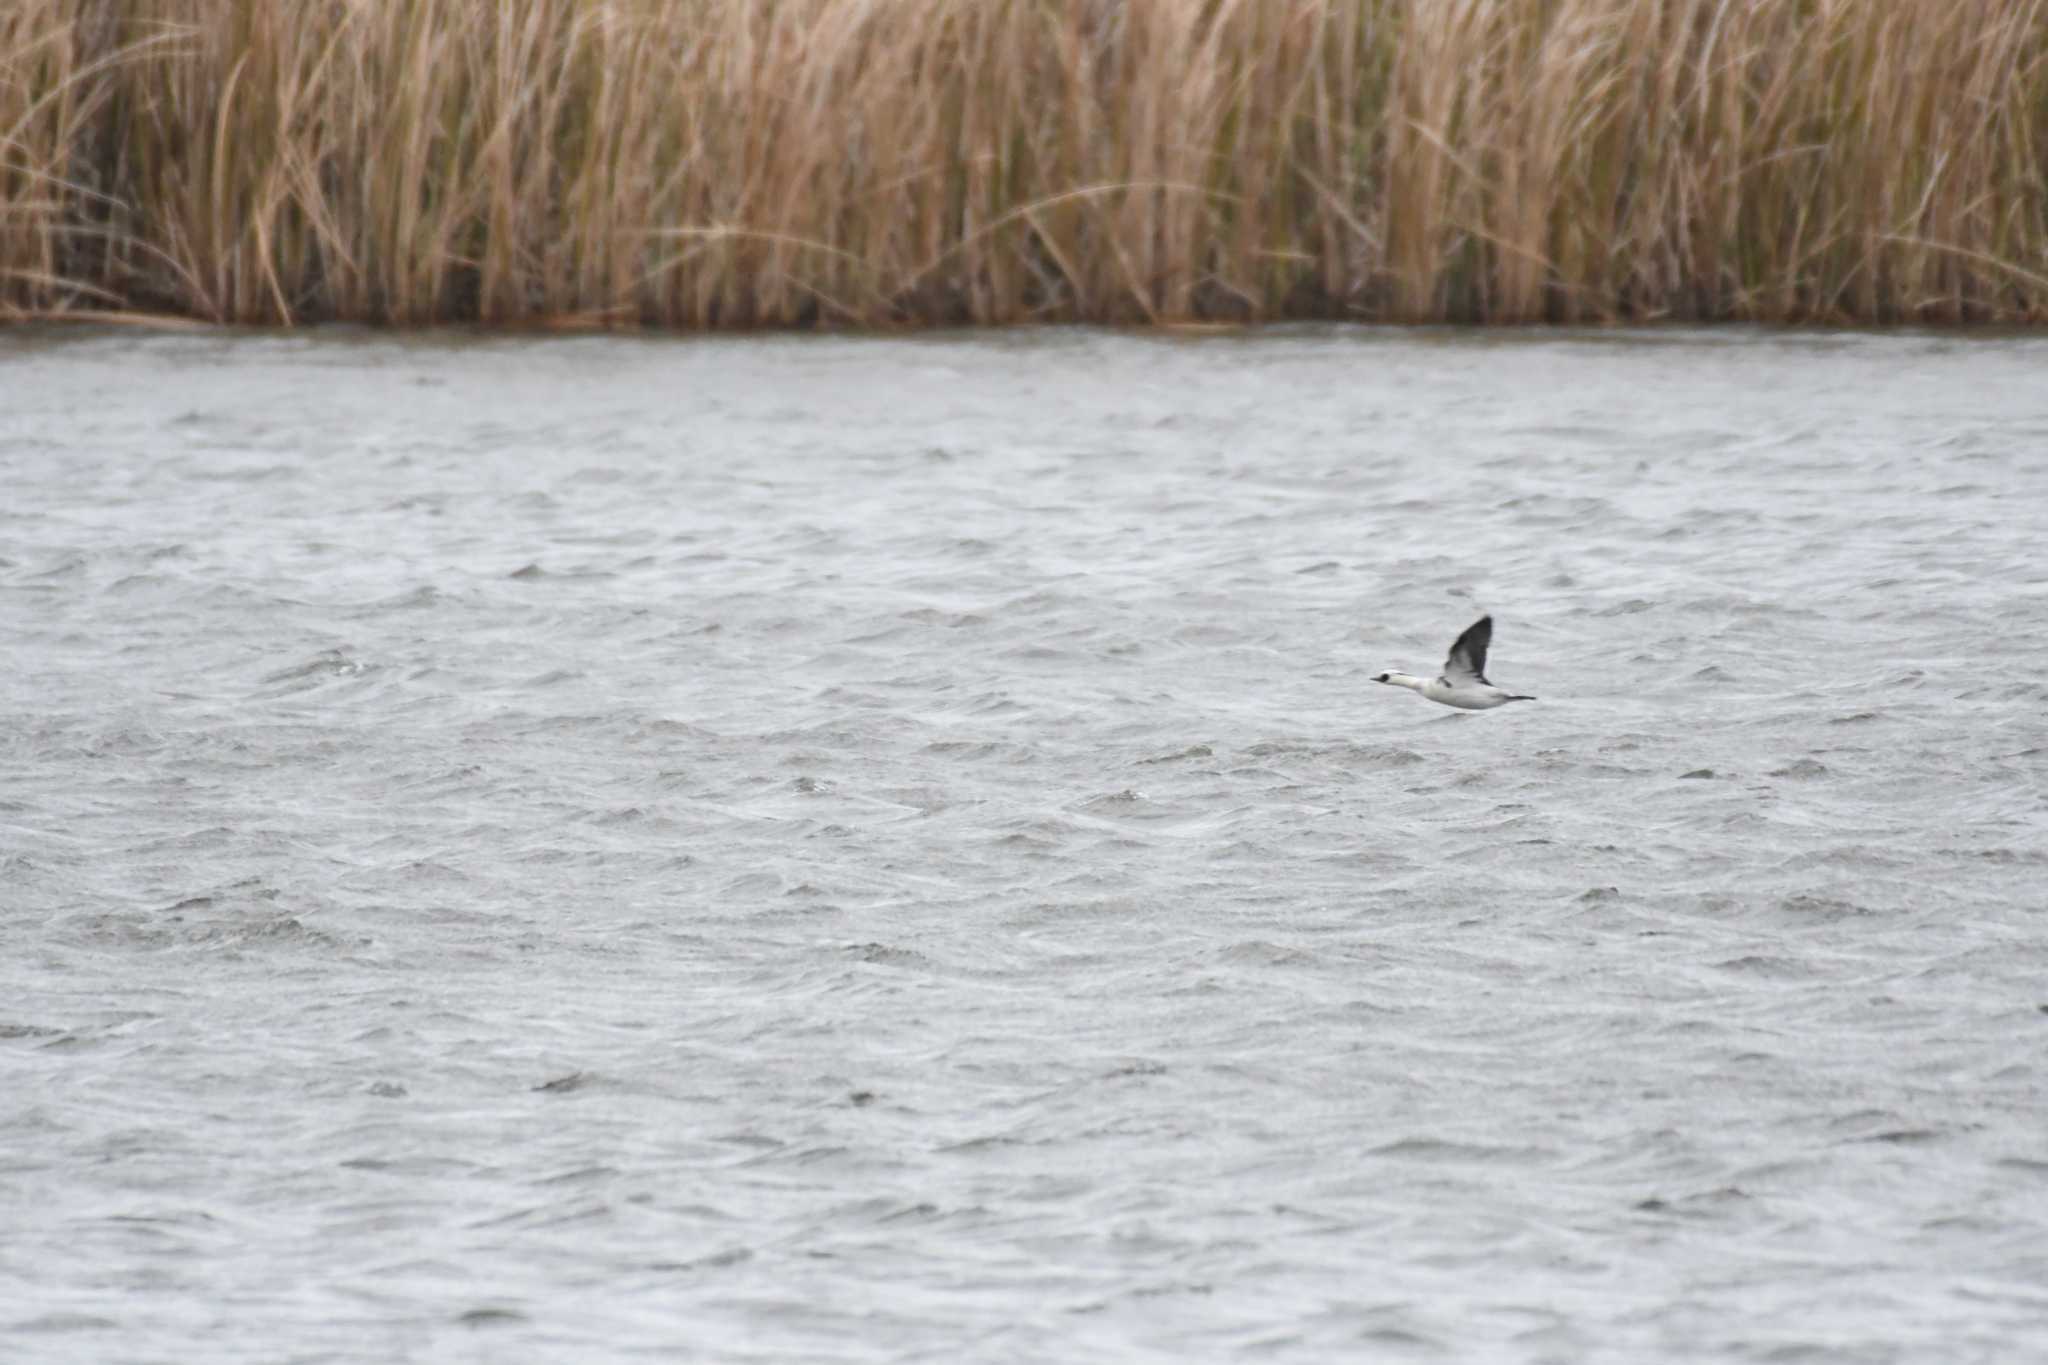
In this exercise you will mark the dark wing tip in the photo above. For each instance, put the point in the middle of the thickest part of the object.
(1478, 635)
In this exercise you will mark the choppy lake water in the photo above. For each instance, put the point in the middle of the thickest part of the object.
(804, 849)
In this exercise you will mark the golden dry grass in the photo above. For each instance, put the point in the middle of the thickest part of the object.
(720, 163)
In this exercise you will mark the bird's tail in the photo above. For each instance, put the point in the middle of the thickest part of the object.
(1514, 698)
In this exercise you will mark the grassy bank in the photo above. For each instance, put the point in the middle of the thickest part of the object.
(707, 163)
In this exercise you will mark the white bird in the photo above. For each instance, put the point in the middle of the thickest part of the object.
(1463, 682)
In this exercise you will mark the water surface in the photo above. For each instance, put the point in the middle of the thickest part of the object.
(883, 850)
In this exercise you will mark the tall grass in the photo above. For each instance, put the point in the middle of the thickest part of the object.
(47, 93)
(719, 163)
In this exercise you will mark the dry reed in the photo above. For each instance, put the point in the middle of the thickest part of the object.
(708, 163)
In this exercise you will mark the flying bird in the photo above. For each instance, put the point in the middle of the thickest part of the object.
(1463, 682)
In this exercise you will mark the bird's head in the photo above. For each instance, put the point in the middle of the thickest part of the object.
(1382, 677)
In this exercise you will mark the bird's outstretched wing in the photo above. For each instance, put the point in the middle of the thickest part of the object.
(1467, 664)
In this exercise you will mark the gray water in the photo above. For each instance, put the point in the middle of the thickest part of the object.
(808, 849)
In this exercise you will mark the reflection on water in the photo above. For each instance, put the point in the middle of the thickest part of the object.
(806, 847)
